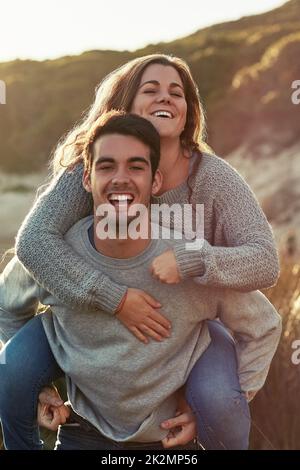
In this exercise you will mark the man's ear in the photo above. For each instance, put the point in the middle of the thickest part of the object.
(157, 182)
(86, 181)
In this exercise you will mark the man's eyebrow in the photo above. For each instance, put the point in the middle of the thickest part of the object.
(104, 160)
(155, 82)
(107, 159)
(139, 159)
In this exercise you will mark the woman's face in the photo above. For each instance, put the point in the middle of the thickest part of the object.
(160, 98)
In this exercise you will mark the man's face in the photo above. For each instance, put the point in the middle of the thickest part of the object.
(121, 173)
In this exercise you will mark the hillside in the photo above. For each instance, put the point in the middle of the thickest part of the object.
(244, 70)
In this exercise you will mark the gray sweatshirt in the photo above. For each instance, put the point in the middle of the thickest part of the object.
(123, 387)
(239, 250)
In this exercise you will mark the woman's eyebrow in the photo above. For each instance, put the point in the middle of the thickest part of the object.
(155, 82)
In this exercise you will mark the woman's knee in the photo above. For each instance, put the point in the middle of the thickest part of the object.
(224, 417)
(15, 372)
(27, 364)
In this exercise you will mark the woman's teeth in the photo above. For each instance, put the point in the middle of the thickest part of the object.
(164, 114)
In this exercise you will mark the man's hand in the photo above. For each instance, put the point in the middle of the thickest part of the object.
(139, 314)
(51, 409)
(182, 429)
(164, 268)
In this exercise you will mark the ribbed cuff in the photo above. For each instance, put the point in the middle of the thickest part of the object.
(110, 297)
(189, 262)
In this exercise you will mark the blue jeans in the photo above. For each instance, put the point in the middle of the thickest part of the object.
(212, 390)
(214, 394)
(28, 365)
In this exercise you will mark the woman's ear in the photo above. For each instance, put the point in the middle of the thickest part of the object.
(86, 181)
(157, 182)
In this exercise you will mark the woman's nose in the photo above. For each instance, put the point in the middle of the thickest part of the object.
(164, 97)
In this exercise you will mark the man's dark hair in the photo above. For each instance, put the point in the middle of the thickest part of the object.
(119, 122)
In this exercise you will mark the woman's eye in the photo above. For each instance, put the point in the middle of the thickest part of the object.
(149, 91)
(105, 168)
(177, 94)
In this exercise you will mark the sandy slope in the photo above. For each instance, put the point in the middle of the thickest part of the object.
(17, 194)
(276, 183)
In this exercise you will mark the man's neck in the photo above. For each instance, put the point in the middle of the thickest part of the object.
(120, 248)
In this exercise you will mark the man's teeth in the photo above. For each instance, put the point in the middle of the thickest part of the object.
(121, 197)
(163, 114)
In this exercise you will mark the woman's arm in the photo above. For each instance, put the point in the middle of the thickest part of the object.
(41, 248)
(248, 260)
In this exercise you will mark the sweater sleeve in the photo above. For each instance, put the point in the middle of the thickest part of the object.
(256, 326)
(41, 248)
(249, 259)
(17, 305)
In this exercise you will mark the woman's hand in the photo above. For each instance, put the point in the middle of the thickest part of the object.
(164, 268)
(139, 313)
(52, 411)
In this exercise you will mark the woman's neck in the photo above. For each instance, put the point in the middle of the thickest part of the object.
(170, 154)
(173, 166)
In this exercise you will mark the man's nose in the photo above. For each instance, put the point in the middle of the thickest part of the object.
(120, 177)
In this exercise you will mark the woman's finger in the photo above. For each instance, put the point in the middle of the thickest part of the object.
(138, 334)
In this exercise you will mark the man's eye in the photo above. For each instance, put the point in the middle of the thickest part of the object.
(105, 167)
(136, 168)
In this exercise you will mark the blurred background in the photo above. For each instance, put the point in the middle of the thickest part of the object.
(244, 56)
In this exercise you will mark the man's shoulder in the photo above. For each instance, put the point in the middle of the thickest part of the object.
(77, 230)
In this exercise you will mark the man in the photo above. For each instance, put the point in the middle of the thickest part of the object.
(120, 390)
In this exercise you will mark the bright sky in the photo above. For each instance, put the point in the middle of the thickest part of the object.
(41, 29)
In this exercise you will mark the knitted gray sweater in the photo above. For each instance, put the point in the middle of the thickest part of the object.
(239, 250)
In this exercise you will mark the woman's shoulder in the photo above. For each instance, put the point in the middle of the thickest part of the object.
(214, 172)
(212, 163)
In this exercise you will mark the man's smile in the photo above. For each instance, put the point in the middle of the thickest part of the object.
(123, 199)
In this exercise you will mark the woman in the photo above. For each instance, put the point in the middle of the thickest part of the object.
(238, 250)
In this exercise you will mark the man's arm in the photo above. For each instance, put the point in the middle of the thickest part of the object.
(19, 299)
(256, 326)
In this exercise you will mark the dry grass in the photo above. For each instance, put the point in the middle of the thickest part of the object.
(276, 409)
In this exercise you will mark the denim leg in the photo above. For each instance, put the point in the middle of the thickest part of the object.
(213, 392)
(29, 365)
